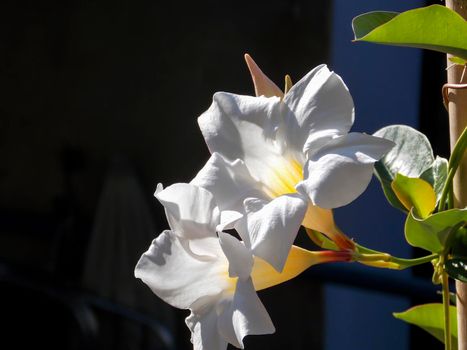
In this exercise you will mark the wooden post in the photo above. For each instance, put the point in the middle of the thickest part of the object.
(457, 123)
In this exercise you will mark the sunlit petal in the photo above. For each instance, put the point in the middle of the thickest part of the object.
(244, 127)
(244, 315)
(178, 277)
(228, 220)
(320, 101)
(229, 181)
(203, 327)
(191, 210)
(272, 227)
(340, 171)
(239, 257)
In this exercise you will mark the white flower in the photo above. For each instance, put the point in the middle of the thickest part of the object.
(215, 276)
(286, 161)
(224, 308)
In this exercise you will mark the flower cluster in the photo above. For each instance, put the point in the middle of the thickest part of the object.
(279, 160)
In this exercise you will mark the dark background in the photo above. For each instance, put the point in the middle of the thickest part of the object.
(98, 103)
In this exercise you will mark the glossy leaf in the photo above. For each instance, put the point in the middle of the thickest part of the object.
(436, 175)
(434, 27)
(365, 23)
(411, 156)
(431, 233)
(430, 317)
(457, 269)
(414, 193)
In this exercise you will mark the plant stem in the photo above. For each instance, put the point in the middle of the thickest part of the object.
(406, 263)
(450, 200)
(366, 250)
(458, 150)
(447, 319)
(457, 105)
(401, 262)
(446, 189)
(454, 162)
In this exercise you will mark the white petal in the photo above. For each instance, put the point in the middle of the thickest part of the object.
(318, 139)
(203, 248)
(177, 276)
(334, 181)
(191, 210)
(159, 188)
(228, 220)
(320, 101)
(254, 204)
(244, 315)
(204, 333)
(239, 257)
(362, 147)
(339, 172)
(229, 182)
(273, 228)
(250, 205)
(244, 127)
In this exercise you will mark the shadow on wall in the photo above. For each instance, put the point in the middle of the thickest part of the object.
(82, 82)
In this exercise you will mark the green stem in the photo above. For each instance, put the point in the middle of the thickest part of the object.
(454, 161)
(446, 301)
(373, 257)
(366, 250)
(403, 263)
(458, 150)
(406, 263)
(446, 189)
(450, 199)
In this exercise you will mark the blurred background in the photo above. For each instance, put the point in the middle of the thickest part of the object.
(98, 104)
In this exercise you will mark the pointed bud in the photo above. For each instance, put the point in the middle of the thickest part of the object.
(263, 85)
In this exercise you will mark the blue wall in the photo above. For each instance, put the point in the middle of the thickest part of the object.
(385, 84)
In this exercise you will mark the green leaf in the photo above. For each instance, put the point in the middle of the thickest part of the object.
(411, 156)
(364, 24)
(430, 317)
(436, 175)
(385, 180)
(431, 233)
(434, 27)
(415, 193)
(457, 269)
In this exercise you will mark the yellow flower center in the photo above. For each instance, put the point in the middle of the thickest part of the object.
(231, 284)
(283, 176)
